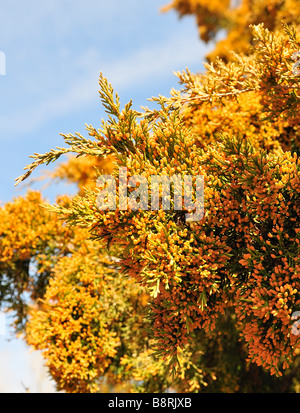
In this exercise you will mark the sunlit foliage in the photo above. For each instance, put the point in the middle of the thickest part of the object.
(236, 16)
(144, 299)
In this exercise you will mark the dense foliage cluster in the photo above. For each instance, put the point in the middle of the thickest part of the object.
(235, 17)
(85, 307)
(31, 241)
(143, 299)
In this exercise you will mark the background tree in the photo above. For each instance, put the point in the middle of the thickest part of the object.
(235, 17)
(214, 298)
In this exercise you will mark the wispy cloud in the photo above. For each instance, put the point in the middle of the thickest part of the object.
(56, 50)
(129, 72)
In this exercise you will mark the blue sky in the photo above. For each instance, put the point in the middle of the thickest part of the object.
(54, 53)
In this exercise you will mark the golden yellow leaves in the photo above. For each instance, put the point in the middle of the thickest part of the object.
(213, 16)
(210, 14)
(31, 240)
(88, 318)
(225, 260)
(83, 171)
(241, 259)
(255, 96)
(73, 332)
